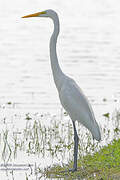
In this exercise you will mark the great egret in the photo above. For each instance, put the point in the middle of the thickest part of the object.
(72, 98)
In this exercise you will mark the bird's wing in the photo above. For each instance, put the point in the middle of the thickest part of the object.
(78, 107)
(76, 104)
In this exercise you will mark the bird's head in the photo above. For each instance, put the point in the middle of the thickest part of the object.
(47, 13)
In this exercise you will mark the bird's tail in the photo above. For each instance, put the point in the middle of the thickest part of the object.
(96, 132)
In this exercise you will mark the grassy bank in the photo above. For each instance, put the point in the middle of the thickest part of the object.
(102, 165)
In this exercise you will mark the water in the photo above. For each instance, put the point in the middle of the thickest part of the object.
(88, 51)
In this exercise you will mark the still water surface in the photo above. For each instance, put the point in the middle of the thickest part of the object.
(88, 50)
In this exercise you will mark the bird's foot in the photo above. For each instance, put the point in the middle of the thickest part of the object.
(70, 170)
(73, 169)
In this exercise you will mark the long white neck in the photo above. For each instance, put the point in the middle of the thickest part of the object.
(57, 72)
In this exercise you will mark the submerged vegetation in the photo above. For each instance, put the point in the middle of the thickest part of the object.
(49, 142)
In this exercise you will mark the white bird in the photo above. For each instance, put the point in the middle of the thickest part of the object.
(72, 98)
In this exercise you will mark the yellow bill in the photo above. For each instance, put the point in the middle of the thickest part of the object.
(34, 15)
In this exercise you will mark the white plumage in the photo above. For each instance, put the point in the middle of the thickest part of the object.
(76, 104)
(71, 96)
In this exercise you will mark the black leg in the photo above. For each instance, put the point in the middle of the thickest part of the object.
(76, 139)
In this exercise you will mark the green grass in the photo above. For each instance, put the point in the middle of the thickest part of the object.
(102, 165)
